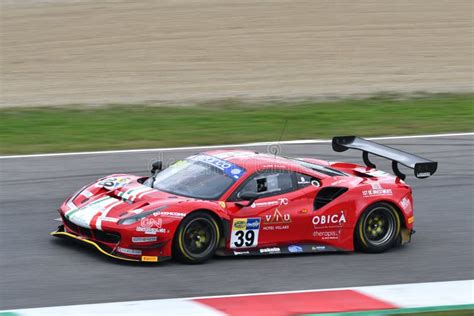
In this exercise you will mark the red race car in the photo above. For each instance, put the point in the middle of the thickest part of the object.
(241, 203)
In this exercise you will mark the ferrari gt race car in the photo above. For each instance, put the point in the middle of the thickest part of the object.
(244, 203)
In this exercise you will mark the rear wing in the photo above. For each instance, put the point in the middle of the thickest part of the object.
(423, 167)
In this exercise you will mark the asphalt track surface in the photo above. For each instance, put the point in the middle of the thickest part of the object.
(39, 270)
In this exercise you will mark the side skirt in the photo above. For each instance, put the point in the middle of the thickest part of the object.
(279, 250)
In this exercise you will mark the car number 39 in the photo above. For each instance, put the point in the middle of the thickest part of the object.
(245, 232)
(244, 238)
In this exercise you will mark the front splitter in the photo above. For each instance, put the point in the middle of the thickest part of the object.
(62, 234)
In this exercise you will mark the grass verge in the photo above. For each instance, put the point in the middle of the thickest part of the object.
(454, 310)
(80, 128)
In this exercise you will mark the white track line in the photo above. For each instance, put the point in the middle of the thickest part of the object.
(288, 142)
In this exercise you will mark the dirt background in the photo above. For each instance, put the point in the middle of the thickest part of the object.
(93, 52)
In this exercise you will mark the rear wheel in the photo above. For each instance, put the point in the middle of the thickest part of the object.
(196, 239)
(378, 228)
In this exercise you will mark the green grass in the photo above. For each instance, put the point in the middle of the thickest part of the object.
(78, 128)
(454, 310)
(465, 312)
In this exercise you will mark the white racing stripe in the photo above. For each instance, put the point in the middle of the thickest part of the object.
(132, 194)
(84, 215)
(98, 223)
(288, 142)
(139, 192)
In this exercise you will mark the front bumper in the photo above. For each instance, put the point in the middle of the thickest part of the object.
(61, 233)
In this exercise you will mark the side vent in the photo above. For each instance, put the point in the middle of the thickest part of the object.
(327, 195)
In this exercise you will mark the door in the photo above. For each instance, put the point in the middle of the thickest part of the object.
(278, 217)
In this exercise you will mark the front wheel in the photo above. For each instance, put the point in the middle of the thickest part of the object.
(196, 239)
(378, 228)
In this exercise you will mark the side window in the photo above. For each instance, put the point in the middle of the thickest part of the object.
(303, 180)
(269, 183)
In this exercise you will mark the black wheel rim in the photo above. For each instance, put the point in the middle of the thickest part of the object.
(379, 226)
(199, 237)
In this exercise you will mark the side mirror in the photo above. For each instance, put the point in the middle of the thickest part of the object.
(247, 196)
(156, 165)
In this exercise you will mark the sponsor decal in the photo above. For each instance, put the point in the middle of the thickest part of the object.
(303, 180)
(237, 253)
(277, 221)
(321, 220)
(169, 214)
(143, 239)
(147, 222)
(151, 231)
(318, 248)
(230, 169)
(277, 218)
(150, 258)
(376, 192)
(253, 223)
(222, 204)
(294, 248)
(129, 251)
(276, 227)
(411, 220)
(315, 183)
(304, 211)
(245, 232)
(327, 235)
(270, 250)
(280, 201)
(405, 202)
(423, 174)
(239, 224)
(150, 226)
(113, 183)
(263, 204)
(235, 171)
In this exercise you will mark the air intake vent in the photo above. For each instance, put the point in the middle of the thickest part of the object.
(327, 195)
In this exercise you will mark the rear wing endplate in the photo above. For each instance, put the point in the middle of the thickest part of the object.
(423, 167)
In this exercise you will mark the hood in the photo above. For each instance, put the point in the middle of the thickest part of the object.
(117, 197)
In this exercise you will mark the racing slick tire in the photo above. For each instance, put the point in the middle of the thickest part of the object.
(378, 228)
(196, 238)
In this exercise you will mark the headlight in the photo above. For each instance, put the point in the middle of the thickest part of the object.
(135, 218)
(129, 220)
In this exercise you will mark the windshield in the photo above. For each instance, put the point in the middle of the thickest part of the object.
(202, 177)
